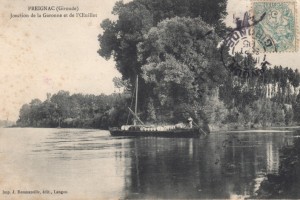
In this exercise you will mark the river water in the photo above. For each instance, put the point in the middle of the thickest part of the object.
(90, 164)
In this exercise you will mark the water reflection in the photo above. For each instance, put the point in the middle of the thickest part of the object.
(222, 165)
(285, 183)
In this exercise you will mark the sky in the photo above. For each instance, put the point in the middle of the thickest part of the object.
(45, 55)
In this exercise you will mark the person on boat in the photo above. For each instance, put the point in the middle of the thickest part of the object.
(190, 121)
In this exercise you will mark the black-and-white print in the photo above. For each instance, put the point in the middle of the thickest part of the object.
(149, 99)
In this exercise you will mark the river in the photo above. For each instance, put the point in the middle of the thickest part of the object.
(90, 164)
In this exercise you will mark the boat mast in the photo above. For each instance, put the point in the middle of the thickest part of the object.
(136, 98)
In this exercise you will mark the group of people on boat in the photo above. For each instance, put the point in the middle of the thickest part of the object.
(188, 125)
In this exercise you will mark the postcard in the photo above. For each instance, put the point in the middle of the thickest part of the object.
(149, 99)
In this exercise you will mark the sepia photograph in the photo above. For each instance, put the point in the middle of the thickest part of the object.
(149, 99)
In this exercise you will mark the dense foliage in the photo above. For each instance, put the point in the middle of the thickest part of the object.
(77, 111)
(121, 39)
(182, 64)
(173, 47)
(269, 99)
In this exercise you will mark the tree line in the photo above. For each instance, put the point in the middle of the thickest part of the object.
(75, 111)
(173, 47)
(267, 100)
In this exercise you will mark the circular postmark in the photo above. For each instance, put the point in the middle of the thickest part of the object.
(240, 51)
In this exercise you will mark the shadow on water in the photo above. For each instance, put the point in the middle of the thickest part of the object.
(285, 183)
(220, 166)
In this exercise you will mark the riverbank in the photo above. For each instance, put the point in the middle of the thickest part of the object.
(286, 183)
(238, 127)
(213, 129)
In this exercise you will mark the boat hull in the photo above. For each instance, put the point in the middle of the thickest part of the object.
(185, 133)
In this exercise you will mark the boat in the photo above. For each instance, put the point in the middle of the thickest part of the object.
(176, 133)
(143, 130)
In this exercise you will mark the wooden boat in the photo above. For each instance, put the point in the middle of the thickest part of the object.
(176, 131)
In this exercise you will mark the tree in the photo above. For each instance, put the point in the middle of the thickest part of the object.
(61, 102)
(215, 110)
(120, 38)
(151, 114)
(182, 62)
(296, 109)
(24, 116)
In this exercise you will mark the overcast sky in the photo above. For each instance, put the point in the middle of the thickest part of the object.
(40, 55)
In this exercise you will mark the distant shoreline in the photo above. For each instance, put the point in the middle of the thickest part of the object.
(239, 128)
(214, 130)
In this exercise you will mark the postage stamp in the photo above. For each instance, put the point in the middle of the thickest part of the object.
(277, 31)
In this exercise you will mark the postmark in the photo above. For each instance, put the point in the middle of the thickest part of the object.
(240, 53)
(278, 27)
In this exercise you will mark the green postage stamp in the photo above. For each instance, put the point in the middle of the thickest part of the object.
(276, 27)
